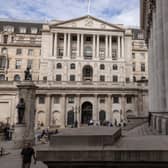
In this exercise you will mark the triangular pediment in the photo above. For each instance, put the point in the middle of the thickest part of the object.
(88, 22)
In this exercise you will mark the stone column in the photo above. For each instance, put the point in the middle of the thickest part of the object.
(63, 112)
(110, 48)
(119, 47)
(78, 107)
(65, 46)
(24, 132)
(82, 38)
(95, 109)
(165, 31)
(106, 44)
(122, 47)
(55, 45)
(51, 45)
(97, 49)
(78, 45)
(94, 46)
(69, 45)
(48, 110)
(109, 108)
(123, 103)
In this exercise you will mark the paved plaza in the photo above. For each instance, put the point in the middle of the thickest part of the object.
(129, 139)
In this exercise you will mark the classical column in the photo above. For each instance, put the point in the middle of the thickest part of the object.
(119, 47)
(95, 109)
(122, 47)
(82, 45)
(94, 46)
(65, 42)
(97, 49)
(106, 44)
(123, 103)
(63, 112)
(51, 45)
(48, 110)
(55, 45)
(110, 47)
(109, 108)
(78, 45)
(69, 45)
(77, 110)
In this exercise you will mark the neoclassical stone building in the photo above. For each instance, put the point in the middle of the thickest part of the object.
(85, 69)
(154, 23)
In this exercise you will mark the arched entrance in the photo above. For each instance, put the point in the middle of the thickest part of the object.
(86, 112)
(70, 120)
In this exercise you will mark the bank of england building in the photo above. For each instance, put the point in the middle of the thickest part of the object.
(85, 69)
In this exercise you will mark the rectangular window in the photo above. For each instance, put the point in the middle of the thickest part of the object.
(142, 67)
(72, 77)
(56, 99)
(102, 78)
(115, 78)
(127, 80)
(116, 99)
(30, 52)
(18, 64)
(114, 54)
(2, 62)
(88, 38)
(18, 51)
(102, 53)
(74, 38)
(5, 39)
(58, 78)
(60, 52)
(73, 54)
(102, 100)
(41, 99)
(71, 99)
(29, 63)
(129, 99)
(44, 78)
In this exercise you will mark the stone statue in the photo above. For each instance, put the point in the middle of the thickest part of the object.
(21, 109)
(28, 75)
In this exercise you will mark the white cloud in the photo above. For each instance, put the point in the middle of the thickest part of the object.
(116, 11)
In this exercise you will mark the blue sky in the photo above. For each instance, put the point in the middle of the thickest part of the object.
(115, 11)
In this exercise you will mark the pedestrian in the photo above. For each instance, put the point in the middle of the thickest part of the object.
(27, 153)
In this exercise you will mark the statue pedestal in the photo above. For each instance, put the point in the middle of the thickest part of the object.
(25, 132)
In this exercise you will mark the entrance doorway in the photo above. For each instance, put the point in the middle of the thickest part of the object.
(87, 111)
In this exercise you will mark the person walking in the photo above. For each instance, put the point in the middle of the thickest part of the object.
(27, 153)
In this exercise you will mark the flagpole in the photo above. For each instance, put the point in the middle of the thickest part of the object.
(88, 7)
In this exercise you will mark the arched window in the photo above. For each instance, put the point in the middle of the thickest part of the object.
(17, 78)
(115, 67)
(87, 73)
(87, 52)
(2, 77)
(59, 66)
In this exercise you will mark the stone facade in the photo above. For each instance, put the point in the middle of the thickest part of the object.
(154, 23)
(85, 71)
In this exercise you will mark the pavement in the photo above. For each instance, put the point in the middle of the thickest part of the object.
(134, 138)
(13, 159)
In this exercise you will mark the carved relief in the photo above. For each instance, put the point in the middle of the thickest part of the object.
(103, 26)
(74, 24)
(89, 22)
